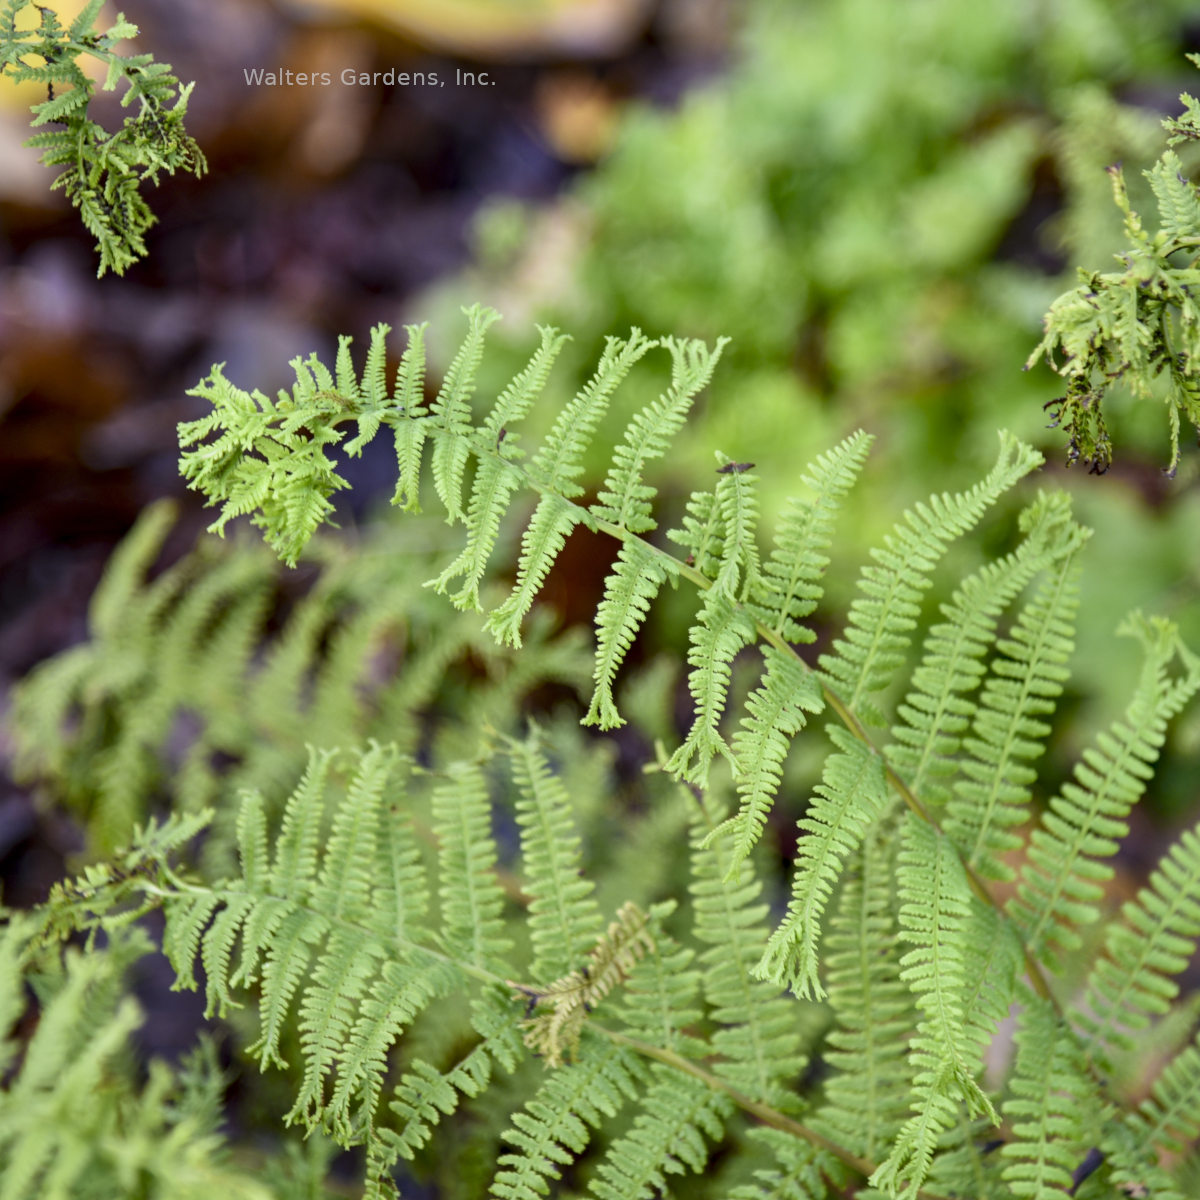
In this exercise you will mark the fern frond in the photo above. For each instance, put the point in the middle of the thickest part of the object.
(1062, 879)
(624, 500)
(851, 797)
(1053, 1112)
(866, 1097)
(719, 633)
(799, 1171)
(629, 591)
(1155, 941)
(563, 918)
(451, 412)
(424, 1095)
(882, 618)
(792, 573)
(411, 426)
(935, 907)
(495, 480)
(758, 1037)
(472, 899)
(775, 712)
(668, 1136)
(939, 709)
(554, 1125)
(1026, 678)
(1168, 1117)
(789, 591)
(660, 1000)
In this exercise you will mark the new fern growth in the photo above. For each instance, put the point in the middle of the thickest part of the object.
(102, 172)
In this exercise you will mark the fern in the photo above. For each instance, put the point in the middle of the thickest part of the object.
(407, 967)
(102, 172)
(1135, 325)
(1061, 883)
(74, 1122)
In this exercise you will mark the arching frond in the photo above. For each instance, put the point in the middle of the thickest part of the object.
(1061, 883)
(881, 620)
(556, 1124)
(851, 796)
(1154, 941)
(1025, 681)
(939, 709)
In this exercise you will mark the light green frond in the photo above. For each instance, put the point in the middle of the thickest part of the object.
(1053, 1113)
(411, 424)
(718, 634)
(792, 573)
(799, 1171)
(347, 873)
(628, 592)
(563, 917)
(668, 1136)
(624, 500)
(472, 899)
(559, 459)
(372, 401)
(401, 892)
(866, 1099)
(424, 1095)
(295, 863)
(934, 911)
(541, 543)
(883, 617)
(451, 412)
(702, 533)
(758, 1035)
(1154, 941)
(1168, 1117)
(850, 799)
(1061, 883)
(775, 712)
(1026, 679)
(556, 1124)
(495, 480)
(939, 709)
(740, 566)
(660, 1001)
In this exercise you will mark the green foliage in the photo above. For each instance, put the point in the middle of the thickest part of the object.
(74, 1120)
(102, 172)
(1138, 325)
(418, 980)
(211, 675)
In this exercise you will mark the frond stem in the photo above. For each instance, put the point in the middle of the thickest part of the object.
(764, 1112)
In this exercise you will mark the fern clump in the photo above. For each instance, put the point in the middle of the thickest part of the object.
(102, 172)
(414, 975)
